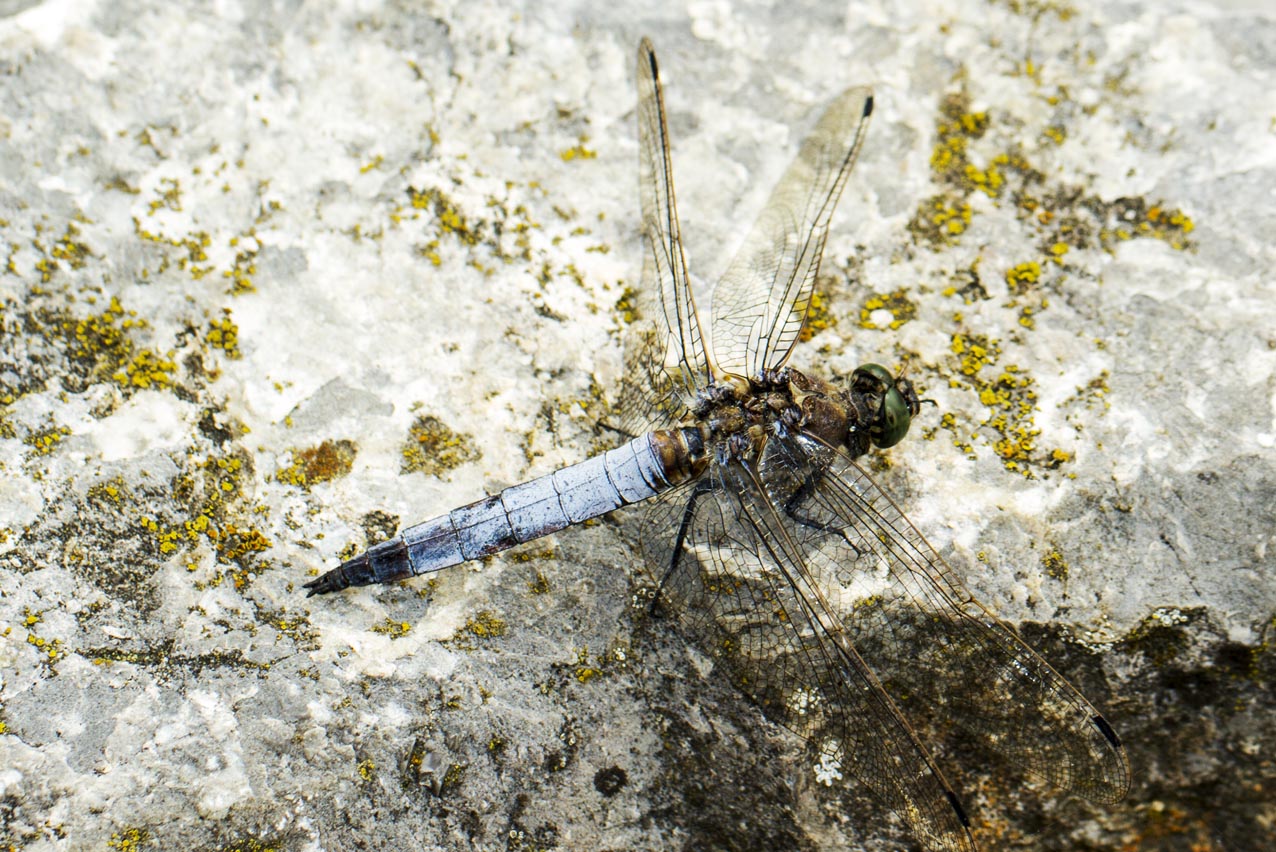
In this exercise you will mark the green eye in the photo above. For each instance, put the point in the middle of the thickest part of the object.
(895, 419)
(878, 372)
(895, 416)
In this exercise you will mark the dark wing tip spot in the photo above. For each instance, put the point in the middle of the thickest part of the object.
(647, 51)
(1106, 729)
(868, 106)
(956, 804)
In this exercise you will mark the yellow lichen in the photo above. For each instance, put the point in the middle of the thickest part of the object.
(45, 441)
(1011, 399)
(940, 220)
(129, 840)
(816, 316)
(145, 370)
(433, 448)
(223, 334)
(310, 466)
(584, 672)
(1021, 278)
(485, 625)
(901, 308)
(393, 629)
(578, 151)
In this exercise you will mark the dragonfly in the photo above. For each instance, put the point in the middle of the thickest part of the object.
(775, 549)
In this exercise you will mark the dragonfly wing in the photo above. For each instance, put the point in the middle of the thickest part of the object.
(761, 301)
(742, 589)
(666, 360)
(927, 636)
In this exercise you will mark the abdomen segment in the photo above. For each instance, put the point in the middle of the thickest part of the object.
(627, 474)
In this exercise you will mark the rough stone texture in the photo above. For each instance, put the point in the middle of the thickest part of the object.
(250, 248)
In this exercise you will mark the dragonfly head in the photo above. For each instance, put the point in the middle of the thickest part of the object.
(892, 399)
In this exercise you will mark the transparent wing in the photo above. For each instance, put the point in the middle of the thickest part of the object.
(666, 359)
(761, 301)
(741, 589)
(931, 642)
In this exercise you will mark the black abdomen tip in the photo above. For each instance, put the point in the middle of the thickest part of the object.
(333, 581)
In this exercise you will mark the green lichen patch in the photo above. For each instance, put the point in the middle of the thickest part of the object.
(433, 448)
(244, 266)
(313, 465)
(1163, 636)
(585, 667)
(253, 844)
(956, 128)
(1036, 9)
(110, 494)
(500, 228)
(191, 257)
(167, 661)
(79, 351)
(585, 671)
(98, 535)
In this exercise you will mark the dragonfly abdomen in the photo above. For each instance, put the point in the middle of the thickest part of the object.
(633, 471)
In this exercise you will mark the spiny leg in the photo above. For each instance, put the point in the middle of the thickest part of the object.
(703, 487)
(804, 493)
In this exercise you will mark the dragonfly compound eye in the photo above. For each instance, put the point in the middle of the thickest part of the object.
(895, 414)
(896, 418)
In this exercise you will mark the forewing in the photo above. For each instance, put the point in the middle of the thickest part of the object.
(744, 593)
(666, 359)
(761, 301)
(929, 639)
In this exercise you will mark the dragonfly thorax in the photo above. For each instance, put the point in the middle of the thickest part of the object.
(873, 409)
(736, 418)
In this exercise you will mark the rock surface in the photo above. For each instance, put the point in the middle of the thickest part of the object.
(282, 278)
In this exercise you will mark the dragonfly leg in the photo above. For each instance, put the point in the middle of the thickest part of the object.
(601, 424)
(800, 496)
(700, 490)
